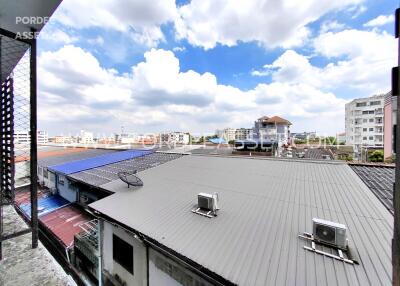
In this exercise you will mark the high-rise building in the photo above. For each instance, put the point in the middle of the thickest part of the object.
(364, 121)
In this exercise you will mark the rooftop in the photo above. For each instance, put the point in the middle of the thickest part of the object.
(22, 265)
(379, 180)
(265, 204)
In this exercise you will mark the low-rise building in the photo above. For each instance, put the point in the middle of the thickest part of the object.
(86, 137)
(156, 235)
(175, 138)
(231, 134)
(272, 129)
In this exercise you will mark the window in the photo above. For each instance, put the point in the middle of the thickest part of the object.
(40, 171)
(371, 120)
(123, 253)
(365, 120)
(364, 138)
(360, 104)
(61, 181)
(371, 129)
(365, 129)
(365, 112)
(371, 137)
(45, 173)
(371, 112)
(375, 102)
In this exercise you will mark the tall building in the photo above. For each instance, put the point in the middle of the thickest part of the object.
(272, 129)
(243, 133)
(364, 121)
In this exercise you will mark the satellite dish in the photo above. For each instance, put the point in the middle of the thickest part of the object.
(130, 178)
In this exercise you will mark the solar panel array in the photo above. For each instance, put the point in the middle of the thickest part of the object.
(380, 181)
(105, 174)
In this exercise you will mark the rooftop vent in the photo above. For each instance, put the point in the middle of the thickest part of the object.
(207, 204)
(130, 178)
(330, 233)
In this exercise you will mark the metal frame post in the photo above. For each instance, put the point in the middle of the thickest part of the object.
(33, 155)
(396, 194)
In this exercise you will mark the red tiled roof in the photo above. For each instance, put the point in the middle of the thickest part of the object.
(277, 119)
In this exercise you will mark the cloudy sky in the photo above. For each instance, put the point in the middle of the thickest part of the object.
(201, 65)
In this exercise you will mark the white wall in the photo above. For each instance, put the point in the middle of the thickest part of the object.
(139, 277)
(66, 191)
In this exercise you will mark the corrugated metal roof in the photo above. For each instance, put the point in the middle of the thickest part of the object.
(64, 222)
(45, 205)
(105, 174)
(66, 155)
(90, 163)
(380, 180)
(265, 204)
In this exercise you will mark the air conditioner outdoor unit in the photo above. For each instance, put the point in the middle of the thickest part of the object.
(331, 233)
(208, 202)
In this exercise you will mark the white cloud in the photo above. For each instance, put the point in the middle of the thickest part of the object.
(141, 18)
(362, 63)
(206, 23)
(333, 26)
(380, 21)
(75, 91)
(179, 49)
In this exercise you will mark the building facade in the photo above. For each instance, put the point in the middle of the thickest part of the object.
(230, 134)
(42, 137)
(272, 129)
(175, 138)
(389, 128)
(364, 122)
(24, 137)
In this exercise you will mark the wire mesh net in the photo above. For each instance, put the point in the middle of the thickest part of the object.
(15, 110)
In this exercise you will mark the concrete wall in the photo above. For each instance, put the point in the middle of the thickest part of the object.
(388, 131)
(50, 181)
(65, 189)
(139, 277)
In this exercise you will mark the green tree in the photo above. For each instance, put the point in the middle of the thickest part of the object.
(376, 156)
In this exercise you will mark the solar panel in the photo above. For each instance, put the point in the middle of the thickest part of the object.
(105, 174)
(86, 164)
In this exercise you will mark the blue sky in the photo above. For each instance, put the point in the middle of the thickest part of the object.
(201, 65)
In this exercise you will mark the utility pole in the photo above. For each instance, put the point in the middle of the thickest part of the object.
(396, 195)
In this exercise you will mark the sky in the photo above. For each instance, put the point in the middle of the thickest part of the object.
(201, 65)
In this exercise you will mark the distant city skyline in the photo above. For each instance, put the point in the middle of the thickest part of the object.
(155, 68)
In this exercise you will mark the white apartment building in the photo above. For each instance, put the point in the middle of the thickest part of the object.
(230, 134)
(272, 129)
(364, 122)
(42, 137)
(86, 137)
(24, 137)
(175, 137)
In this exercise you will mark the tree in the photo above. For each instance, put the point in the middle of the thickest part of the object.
(376, 156)
(231, 142)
